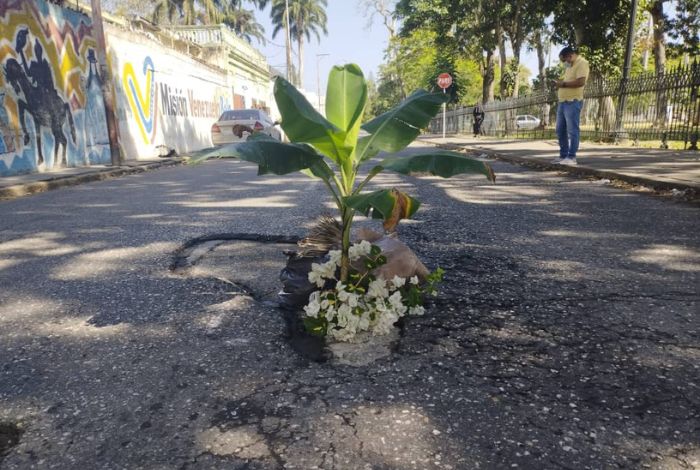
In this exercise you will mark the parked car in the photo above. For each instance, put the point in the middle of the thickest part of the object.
(526, 121)
(237, 124)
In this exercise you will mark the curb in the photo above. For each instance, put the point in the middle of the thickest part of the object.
(26, 189)
(692, 191)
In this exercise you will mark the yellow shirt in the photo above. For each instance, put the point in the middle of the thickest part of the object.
(577, 70)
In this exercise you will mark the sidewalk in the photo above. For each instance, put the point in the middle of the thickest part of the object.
(663, 170)
(21, 185)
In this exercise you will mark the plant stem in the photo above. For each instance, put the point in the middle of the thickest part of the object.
(338, 202)
(374, 172)
(348, 214)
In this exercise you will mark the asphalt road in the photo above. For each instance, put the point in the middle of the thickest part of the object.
(567, 334)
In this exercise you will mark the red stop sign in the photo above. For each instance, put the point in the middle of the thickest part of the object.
(444, 80)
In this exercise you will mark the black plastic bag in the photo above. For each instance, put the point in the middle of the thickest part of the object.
(296, 287)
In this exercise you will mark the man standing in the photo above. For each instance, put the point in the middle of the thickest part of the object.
(478, 114)
(570, 93)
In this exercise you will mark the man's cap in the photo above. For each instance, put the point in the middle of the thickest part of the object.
(567, 51)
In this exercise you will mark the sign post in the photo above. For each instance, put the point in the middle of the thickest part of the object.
(444, 81)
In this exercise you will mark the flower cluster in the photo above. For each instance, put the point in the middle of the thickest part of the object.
(364, 303)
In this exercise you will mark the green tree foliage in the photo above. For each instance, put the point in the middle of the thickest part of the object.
(685, 29)
(192, 12)
(414, 62)
(307, 18)
(597, 27)
(469, 80)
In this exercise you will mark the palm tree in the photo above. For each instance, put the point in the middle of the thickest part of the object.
(243, 22)
(188, 11)
(306, 18)
(229, 12)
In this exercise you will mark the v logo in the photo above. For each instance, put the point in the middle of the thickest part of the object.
(143, 106)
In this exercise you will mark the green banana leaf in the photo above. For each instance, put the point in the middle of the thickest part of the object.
(346, 97)
(321, 170)
(302, 123)
(398, 127)
(439, 163)
(271, 156)
(388, 204)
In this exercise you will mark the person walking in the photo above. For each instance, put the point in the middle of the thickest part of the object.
(570, 94)
(478, 114)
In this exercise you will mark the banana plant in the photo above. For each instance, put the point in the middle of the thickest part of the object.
(330, 148)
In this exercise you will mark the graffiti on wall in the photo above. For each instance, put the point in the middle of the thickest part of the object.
(51, 108)
(142, 101)
(163, 97)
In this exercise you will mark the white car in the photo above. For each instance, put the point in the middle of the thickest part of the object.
(237, 124)
(526, 121)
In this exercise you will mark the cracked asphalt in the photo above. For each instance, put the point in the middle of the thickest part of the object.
(567, 334)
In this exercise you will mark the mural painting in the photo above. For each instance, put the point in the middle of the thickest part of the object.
(165, 100)
(51, 110)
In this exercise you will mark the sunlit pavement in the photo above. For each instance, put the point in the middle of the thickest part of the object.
(566, 334)
(655, 168)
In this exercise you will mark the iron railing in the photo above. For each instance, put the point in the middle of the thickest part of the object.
(663, 108)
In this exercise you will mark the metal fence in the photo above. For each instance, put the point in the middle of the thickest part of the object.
(647, 107)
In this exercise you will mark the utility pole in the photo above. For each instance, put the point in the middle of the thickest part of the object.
(318, 78)
(107, 85)
(620, 133)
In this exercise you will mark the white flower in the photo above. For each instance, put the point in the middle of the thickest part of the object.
(398, 281)
(395, 300)
(363, 323)
(353, 300)
(315, 278)
(380, 306)
(385, 324)
(418, 310)
(359, 250)
(414, 280)
(312, 308)
(344, 311)
(377, 289)
(335, 256)
(341, 334)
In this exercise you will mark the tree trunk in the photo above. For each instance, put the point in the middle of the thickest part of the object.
(515, 66)
(488, 74)
(606, 115)
(659, 48)
(287, 42)
(502, 62)
(300, 69)
(659, 22)
(648, 42)
(542, 74)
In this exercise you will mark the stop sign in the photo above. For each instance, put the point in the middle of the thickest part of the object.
(444, 80)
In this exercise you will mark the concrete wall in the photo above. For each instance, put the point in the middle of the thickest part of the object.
(164, 97)
(247, 69)
(169, 91)
(51, 107)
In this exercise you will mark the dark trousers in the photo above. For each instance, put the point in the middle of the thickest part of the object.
(477, 125)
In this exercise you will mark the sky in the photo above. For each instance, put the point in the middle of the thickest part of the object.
(350, 39)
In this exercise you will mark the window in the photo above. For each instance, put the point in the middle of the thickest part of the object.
(240, 115)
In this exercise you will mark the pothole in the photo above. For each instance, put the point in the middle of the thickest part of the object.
(10, 435)
(251, 264)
